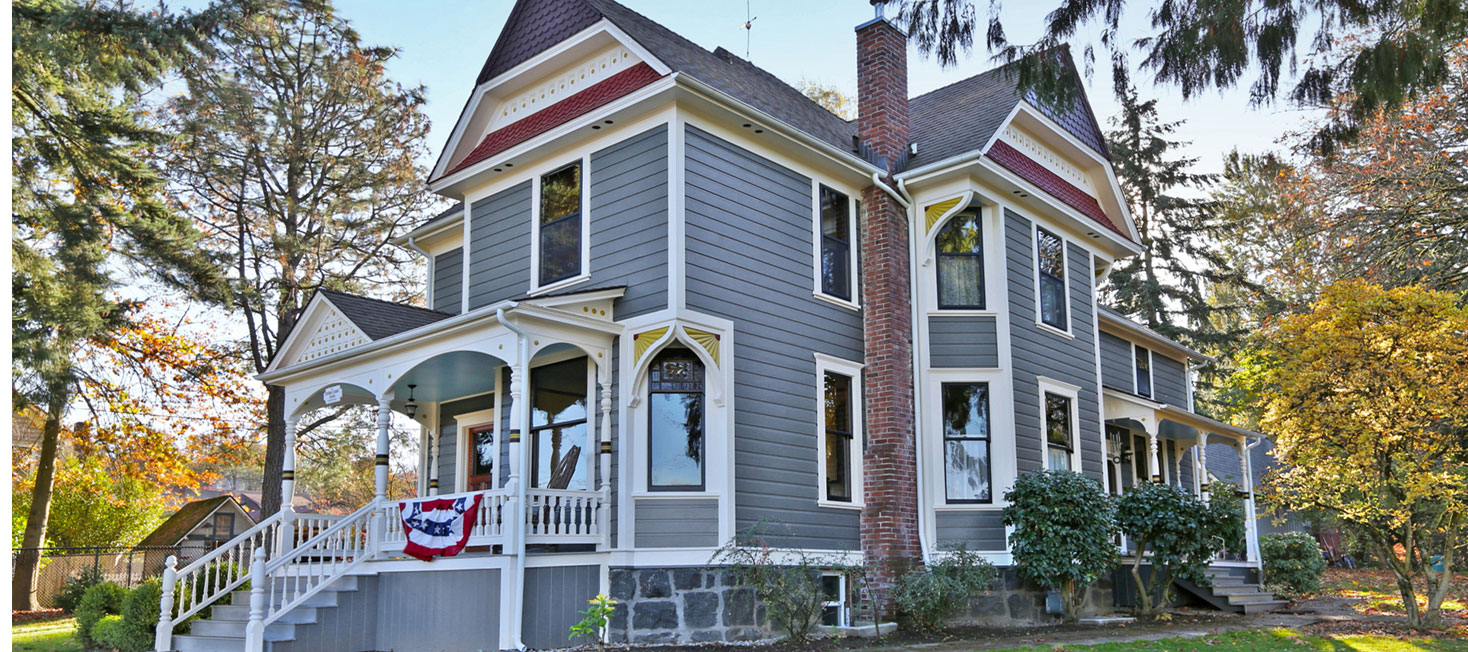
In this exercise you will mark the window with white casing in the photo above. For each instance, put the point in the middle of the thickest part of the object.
(560, 226)
(1143, 361)
(1059, 425)
(836, 254)
(833, 600)
(959, 249)
(839, 431)
(967, 470)
(1051, 283)
(676, 422)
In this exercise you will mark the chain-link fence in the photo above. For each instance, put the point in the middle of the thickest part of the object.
(125, 566)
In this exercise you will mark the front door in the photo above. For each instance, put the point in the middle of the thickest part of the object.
(481, 462)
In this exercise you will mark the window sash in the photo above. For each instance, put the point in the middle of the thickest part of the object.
(676, 373)
(656, 441)
(1050, 266)
(1143, 363)
(838, 424)
(957, 296)
(560, 260)
(1059, 435)
(835, 223)
(968, 479)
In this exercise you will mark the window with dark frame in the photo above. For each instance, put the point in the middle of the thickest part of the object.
(560, 224)
(1144, 371)
(1058, 441)
(675, 409)
(966, 442)
(558, 425)
(1050, 255)
(838, 437)
(223, 527)
(835, 244)
(960, 249)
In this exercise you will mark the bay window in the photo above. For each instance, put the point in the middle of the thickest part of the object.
(966, 468)
(960, 251)
(675, 422)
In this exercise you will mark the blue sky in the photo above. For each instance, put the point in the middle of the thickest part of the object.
(444, 43)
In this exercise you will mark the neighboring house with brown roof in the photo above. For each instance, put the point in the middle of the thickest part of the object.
(195, 529)
(678, 299)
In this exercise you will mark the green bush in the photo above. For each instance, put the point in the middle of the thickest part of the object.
(787, 580)
(108, 633)
(927, 597)
(216, 574)
(71, 592)
(1177, 534)
(102, 600)
(139, 617)
(1064, 526)
(1293, 564)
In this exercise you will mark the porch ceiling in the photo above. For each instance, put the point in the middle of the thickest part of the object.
(448, 376)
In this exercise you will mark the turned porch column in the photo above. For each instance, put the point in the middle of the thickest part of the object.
(605, 458)
(379, 493)
(1154, 464)
(1203, 462)
(288, 489)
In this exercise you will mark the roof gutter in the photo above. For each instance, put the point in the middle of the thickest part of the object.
(783, 127)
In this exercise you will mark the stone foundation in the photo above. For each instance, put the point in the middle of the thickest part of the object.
(1014, 601)
(683, 605)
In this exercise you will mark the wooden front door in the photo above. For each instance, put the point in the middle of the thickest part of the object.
(482, 458)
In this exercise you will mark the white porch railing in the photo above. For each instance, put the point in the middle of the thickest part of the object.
(489, 521)
(562, 516)
(210, 577)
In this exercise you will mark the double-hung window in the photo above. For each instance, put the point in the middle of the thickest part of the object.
(558, 425)
(836, 225)
(1143, 359)
(560, 225)
(1050, 258)
(838, 437)
(1059, 436)
(960, 250)
(966, 468)
(675, 422)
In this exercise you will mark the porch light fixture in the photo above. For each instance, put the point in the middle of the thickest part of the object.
(411, 407)
(1116, 451)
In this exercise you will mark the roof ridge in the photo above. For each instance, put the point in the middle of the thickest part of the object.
(330, 291)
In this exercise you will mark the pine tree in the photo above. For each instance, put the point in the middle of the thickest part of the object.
(1169, 285)
(87, 203)
(298, 159)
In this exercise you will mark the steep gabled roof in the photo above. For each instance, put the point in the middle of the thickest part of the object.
(378, 318)
(532, 27)
(184, 521)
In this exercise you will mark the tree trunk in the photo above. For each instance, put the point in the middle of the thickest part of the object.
(274, 452)
(1437, 588)
(1144, 595)
(1070, 602)
(28, 562)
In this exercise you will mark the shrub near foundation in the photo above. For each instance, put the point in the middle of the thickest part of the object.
(1064, 524)
(98, 602)
(1293, 564)
(927, 597)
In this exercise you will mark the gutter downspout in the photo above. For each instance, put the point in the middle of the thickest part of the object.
(902, 197)
(1253, 513)
(523, 359)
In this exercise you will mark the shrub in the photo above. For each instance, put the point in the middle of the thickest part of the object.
(1064, 524)
(216, 575)
(101, 600)
(139, 617)
(71, 592)
(108, 633)
(927, 597)
(786, 580)
(1293, 564)
(1180, 533)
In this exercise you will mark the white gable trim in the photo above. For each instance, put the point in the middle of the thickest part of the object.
(1114, 197)
(322, 331)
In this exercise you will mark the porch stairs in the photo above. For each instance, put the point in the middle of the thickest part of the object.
(224, 629)
(1233, 591)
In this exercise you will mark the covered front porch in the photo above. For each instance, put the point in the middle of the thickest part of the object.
(1148, 441)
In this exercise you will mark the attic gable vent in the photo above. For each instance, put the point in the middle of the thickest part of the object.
(564, 83)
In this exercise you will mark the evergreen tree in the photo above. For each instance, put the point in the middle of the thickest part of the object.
(298, 158)
(1169, 285)
(86, 203)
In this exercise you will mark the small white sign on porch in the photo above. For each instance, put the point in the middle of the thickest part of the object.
(332, 395)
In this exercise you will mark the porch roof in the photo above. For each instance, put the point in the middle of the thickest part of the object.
(378, 318)
(1124, 405)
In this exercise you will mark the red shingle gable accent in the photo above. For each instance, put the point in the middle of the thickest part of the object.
(1030, 170)
(555, 115)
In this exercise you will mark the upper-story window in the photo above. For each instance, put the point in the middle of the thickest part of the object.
(1059, 439)
(966, 442)
(1143, 359)
(837, 224)
(675, 422)
(560, 225)
(558, 425)
(960, 250)
(1050, 261)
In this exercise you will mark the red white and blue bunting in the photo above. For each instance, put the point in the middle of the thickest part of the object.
(438, 526)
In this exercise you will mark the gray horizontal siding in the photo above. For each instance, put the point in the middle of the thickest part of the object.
(629, 221)
(499, 246)
(967, 341)
(976, 530)
(347, 627)
(553, 595)
(1169, 381)
(448, 431)
(448, 281)
(437, 611)
(1117, 370)
(1039, 352)
(677, 523)
(749, 260)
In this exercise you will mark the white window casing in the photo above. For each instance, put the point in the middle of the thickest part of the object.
(852, 370)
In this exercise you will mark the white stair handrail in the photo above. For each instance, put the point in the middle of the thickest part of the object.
(316, 563)
(215, 579)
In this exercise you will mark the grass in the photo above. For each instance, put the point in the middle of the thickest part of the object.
(1377, 592)
(45, 636)
(1268, 640)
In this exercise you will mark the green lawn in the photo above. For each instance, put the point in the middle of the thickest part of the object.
(1267, 640)
(49, 636)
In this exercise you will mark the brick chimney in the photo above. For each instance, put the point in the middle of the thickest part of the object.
(889, 523)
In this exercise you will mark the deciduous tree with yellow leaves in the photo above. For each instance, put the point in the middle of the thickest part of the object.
(1366, 396)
